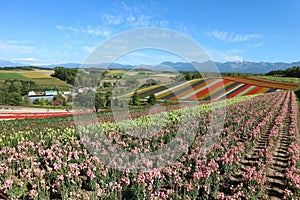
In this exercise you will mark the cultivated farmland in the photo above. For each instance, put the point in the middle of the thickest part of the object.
(41, 77)
(254, 155)
(215, 88)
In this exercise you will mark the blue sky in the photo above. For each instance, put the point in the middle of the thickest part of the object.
(49, 32)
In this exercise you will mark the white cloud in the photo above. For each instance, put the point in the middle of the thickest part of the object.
(24, 60)
(33, 61)
(235, 51)
(14, 46)
(256, 45)
(132, 20)
(68, 28)
(132, 17)
(229, 58)
(90, 30)
(88, 49)
(232, 55)
(231, 37)
(148, 56)
(112, 19)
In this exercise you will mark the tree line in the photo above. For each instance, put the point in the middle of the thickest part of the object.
(289, 72)
(11, 91)
(65, 74)
(14, 92)
(23, 68)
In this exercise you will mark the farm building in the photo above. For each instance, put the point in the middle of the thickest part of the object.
(50, 92)
(66, 92)
(48, 97)
(31, 93)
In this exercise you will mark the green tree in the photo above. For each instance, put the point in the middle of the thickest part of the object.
(36, 102)
(65, 74)
(152, 99)
(26, 101)
(115, 102)
(85, 100)
(107, 84)
(131, 83)
(43, 102)
(99, 101)
(57, 102)
(13, 99)
(108, 99)
(135, 99)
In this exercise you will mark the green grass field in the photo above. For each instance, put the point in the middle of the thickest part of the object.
(280, 79)
(42, 78)
(50, 82)
(38, 74)
(12, 75)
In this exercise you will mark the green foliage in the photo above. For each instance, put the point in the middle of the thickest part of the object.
(26, 101)
(99, 101)
(107, 84)
(280, 79)
(289, 72)
(12, 99)
(136, 99)
(11, 91)
(65, 74)
(108, 99)
(131, 83)
(298, 94)
(186, 76)
(41, 102)
(152, 99)
(102, 100)
(85, 100)
(36, 101)
(23, 68)
(5, 76)
(20, 86)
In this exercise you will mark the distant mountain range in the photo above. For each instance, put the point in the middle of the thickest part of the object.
(240, 67)
(4, 63)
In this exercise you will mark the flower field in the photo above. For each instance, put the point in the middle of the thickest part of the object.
(255, 154)
(36, 115)
(216, 88)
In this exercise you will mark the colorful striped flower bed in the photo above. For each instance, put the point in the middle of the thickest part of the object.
(215, 88)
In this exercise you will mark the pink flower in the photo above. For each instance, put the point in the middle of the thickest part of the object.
(33, 193)
(221, 195)
(197, 175)
(90, 174)
(188, 187)
(124, 180)
(8, 183)
(56, 166)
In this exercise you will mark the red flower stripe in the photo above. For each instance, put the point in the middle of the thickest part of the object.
(191, 90)
(238, 91)
(254, 91)
(212, 89)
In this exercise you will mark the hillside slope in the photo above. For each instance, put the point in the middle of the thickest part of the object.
(215, 88)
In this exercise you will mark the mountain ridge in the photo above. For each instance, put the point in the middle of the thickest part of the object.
(238, 67)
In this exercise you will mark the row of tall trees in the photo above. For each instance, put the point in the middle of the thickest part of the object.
(91, 99)
(58, 100)
(11, 91)
(99, 100)
(65, 74)
(289, 72)
(136, 99)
